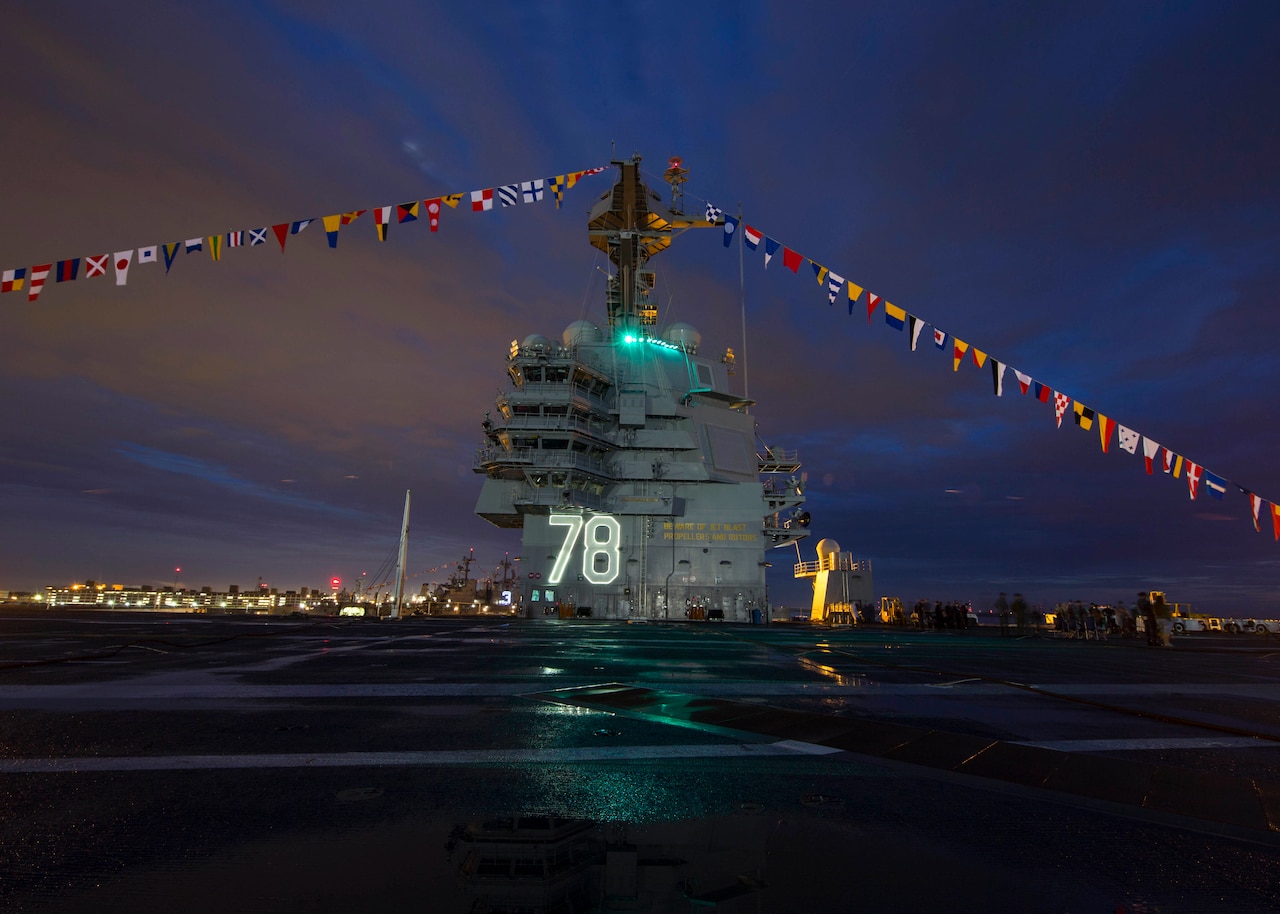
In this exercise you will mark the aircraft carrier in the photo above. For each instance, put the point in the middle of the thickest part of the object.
(625, 455)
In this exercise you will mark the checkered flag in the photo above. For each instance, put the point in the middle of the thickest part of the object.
(714, 214)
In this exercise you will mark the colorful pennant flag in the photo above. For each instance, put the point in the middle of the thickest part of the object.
(509, 194)
(122, 260)
(331, 226)
(916, 325)
(730, 226)
(1149, 451)
(1024, 381)
(1084, 416)
(1215, 485)
(997, 376)
(38, 275)
(1105, 428)
(482, 200)
(835, 282)
(433, 213)
(96, 265)
(1255, 508)
(979, 357)
(557, 188)
(67, 270)
(281, 232)
(939, 339)
(572, 178)
(532, 191)
(452, 200)
(170, 252)
(855, 292)
(819, 271)
(1043, 392)
(791, 259)
(873, 301)
(752, 238)
(1193, 478)
(257, 236)
(1060, 403)
(1172, 463)
(382, 217)
(194, 244)
(296, 228)
(894, 316)
(960, 347)
(770, 248)
(13, 280)
(407, 212)
(1275, 519)
(348, 218)
(1128, 439)
(235, 239)
(215, 246)
(148, 254)
(714, 213)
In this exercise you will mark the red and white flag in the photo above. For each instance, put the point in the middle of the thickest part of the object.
(1193, 478)
(751, 236)
(433, 213)
(1024, 381)
(96, 265)
(1255, 506)
(382, 216)
(482, 200)
(1149, 451)
(122, 261)
(1061, 403)
(872, 301)
(38, 276)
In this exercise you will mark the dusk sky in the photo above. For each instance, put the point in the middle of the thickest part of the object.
(1088, 192)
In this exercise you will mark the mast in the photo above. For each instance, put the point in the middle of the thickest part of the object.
(400, 560)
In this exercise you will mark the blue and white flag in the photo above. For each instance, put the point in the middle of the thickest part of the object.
(1216, 485)
(939, 338)
(714, 213)
(770, 248)
(834, 285)
(730, 226)
(148, 254)
(194, 244)
(257, 236)
(509, 194)
(532, 191)
(298, 226)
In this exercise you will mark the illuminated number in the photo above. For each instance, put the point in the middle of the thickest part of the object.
(574, 525)
(595, 547)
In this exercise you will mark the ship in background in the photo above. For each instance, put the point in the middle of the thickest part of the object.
(621, 451)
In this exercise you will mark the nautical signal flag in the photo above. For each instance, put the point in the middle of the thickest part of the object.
(433, 213)
(1128, 439)
(894, 316)
(382, 216)
(1150, 449)
(819, 271)
(407, 212)
(835, 282)
(1193, 478)
(38, 275)
(194, 244)
(1105, 428)
(730, 226)
(979, 357)
(148, 254)
(257, 236)
(509, 194)
(1084, 416)
(234, 240)
(1172, 463)
(67, 270)
(331, 226)
(96, 265)
(1275, 519)
(770, 248)
(215, 246)
(959, 348)
(1043, 392)
(452, 200)
(348, 218)
(939, 339)
(1024, 381)
(872, 301)
(792, 259)
(531, 191)
(1060, 403)
(281, 232)
(170, 252)
(751, 238)
(997, 376)
(855, 292)
(1215, 485)
(122, 260)
(916, 325)
(557, 189)
(296, 228)
(482, 200)
(1255, 508)
(13, 280)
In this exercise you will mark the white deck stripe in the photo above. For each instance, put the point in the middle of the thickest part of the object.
(1116, 745)
(411, 758)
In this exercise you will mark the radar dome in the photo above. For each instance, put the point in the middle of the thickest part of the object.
(827, 547)
(683, 334)
(581, 332)
(536, 341)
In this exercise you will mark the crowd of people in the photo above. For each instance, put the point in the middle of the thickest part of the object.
(1149, 617)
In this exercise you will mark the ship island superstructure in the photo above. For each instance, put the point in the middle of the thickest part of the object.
(633, 469)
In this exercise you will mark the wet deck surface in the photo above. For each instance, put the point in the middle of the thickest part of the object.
(215, 764)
